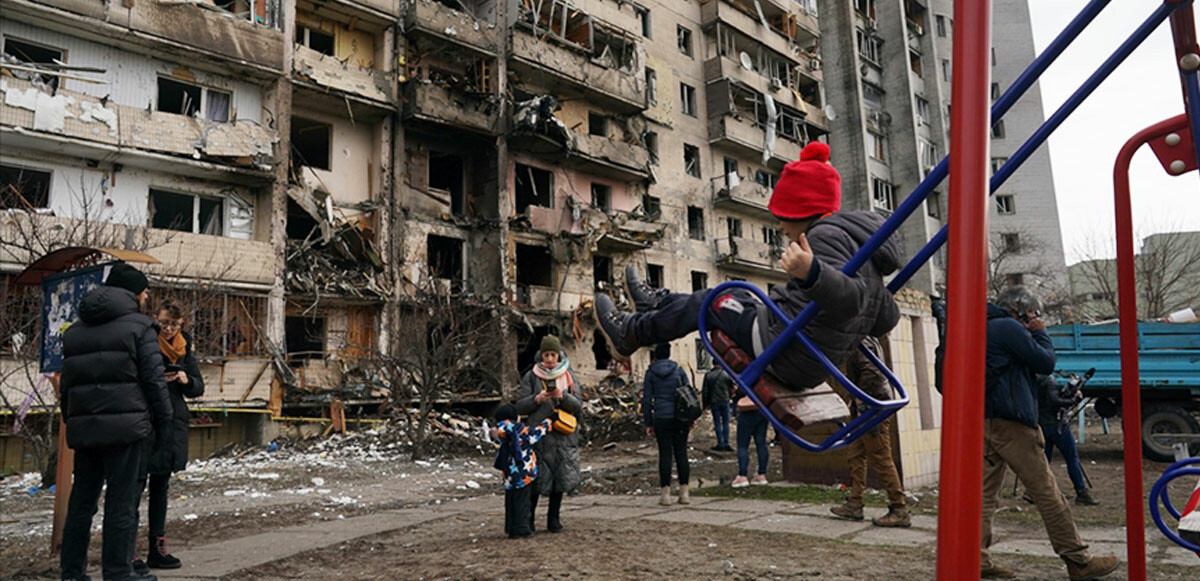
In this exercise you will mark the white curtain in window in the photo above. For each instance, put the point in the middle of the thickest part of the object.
(217, 108)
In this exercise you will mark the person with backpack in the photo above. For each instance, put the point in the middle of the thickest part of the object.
(550, 390)
(1017, 348)
(668, 412)
(518, 461)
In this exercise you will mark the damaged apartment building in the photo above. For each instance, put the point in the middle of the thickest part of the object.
(309, 168)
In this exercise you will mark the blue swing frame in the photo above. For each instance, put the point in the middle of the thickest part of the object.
(878, 411)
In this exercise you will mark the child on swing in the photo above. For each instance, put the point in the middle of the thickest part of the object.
(806, 201)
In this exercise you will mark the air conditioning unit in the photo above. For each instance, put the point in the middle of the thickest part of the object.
(814, 64)
(870, 25)
(776, 84)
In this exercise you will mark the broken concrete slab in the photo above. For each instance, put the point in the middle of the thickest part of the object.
(329, 72)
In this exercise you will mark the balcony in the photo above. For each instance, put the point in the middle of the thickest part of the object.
(79, 125)
(549, 138)
(434, 103)
(743, 134)
(747, 197)
(720, 67)
(624, 233)
(439, 20)
(772, 36)
(250, 41)
(559, 69)
(363, 86)
(751, 257)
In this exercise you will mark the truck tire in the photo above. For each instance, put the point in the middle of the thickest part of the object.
(1166, 419)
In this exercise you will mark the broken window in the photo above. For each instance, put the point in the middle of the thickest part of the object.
(929, 156)
(446, 174)
(733, 226)
(300, 223)
(533, 187)
(914, 63)
(691, 160)
(651, 139)
(311, 143)
(870, 47)
(872, 97)
(613, 47)
(773, 237)
(600, 351)
(915, 14)
(28, 52)
(23, 188)
(791, 125)
(597, 124)
(652, 206)
(534, 266)
(946, 70)
(187, 213)
(602, 272)
(940, 23)
(765, 179)
(933, 205)
(305, 337)
(998, 130)
(651, 87)
(695, 223)
(881, 194)
(654, 276)
(731, 173)
(317, 40)
(444, 256)
(684, 37)
(602, 197)
(865, 8)
(687, 99)
(877, 146)
(1006, 204)
(647, 24)
(699, 280)
(922, 111)
(1011, 241)
(997, 163)
(175, 96)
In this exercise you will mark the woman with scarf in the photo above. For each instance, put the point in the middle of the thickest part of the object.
(183, 380)
(548, 387)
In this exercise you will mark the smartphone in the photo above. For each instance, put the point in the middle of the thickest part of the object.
(173, 368)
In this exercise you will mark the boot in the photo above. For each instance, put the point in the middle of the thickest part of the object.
(553, 523)
(666, 496)
(533, 501)
(644, 297)
(158, 557)
(140, 567)
(1084, 498)
(897, 516)
(684, 497)
(996, 572)
(1096, 568)
(616, 328)
(851, 510)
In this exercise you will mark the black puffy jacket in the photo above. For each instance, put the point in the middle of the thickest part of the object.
(851, 307)
(112, 388)
(1014, 355)
(180, 416)
(658, 390)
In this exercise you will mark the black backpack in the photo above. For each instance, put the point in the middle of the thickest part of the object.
(687, 401)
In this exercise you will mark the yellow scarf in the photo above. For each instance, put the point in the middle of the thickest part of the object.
(173, 349)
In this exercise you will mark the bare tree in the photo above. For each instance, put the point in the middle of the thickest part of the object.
(1167, 277)
(1018, 257)
(448, 347)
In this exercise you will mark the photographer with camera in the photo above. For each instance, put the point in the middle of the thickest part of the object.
(1054, 413)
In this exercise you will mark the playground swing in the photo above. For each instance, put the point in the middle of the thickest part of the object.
(1173, 141)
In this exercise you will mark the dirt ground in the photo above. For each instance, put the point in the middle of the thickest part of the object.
(256, 491)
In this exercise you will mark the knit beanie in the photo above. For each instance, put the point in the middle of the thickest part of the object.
(662, 351)
(550, 343)
(507, 411)
(808, 187)
(121, 275)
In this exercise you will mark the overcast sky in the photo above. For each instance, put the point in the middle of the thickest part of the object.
(1144, 90)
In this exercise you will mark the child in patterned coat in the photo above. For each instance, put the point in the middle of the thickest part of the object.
(517, 460)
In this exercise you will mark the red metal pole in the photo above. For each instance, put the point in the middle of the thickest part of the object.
(1131, 401)
(960, 503)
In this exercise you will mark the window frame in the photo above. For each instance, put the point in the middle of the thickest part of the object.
(196, 201)
(202, 106)
(53, 81)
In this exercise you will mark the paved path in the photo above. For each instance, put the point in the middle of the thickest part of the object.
(218, 560)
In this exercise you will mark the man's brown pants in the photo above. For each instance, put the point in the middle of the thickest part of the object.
(1022, 448)
(874, 449)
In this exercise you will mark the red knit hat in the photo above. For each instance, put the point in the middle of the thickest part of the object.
(808, 187)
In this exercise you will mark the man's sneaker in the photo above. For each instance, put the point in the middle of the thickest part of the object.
(996, 572)
(644, 297)
(1094, 569)
(616, 327)
(740, 482)
(759, 480)
(1084, 498)
(850, 510)
(897, 516)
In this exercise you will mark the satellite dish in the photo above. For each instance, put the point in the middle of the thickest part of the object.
(747, 62)
(830, 114)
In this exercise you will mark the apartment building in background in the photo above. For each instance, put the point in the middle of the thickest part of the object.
(301, 169)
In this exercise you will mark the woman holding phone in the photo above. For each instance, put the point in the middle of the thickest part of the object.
(183, 380)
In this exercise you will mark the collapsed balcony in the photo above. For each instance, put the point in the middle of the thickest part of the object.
(745, 196)
(330, 254)
(536, 130)
(452, 91)
(745, 256)
(324, 73)
(566, 51)
(770, 21)
(469, 23)
(76, 124)
(743, 119)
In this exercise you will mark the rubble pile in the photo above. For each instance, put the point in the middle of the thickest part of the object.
(347, 265)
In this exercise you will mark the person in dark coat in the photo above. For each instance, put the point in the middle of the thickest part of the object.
(806, 201)
(715, 396)
(1017, 348)
(551, 386)
(183, 380)
(1052, 409)
(658, 415)
(113, 395)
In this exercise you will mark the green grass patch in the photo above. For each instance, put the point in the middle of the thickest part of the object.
(799, 493)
